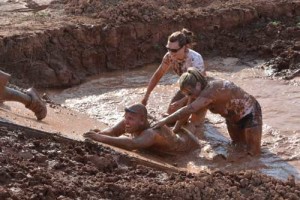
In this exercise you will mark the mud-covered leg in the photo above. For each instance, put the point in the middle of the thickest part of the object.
(36, 105)
(253, 131)
(4, 77)
(253, 140)
(9, 94)
(30, 99)
(236, 134)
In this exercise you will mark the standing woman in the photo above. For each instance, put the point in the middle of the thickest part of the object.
(241, 110)
(178, 58)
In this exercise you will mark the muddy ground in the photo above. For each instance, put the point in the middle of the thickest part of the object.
(37, 165)
(59, 44)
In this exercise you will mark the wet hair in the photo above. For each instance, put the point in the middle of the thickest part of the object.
(191, 78)
(183, 37)
(139, 109)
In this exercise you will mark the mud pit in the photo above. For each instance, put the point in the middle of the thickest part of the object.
(51, 44)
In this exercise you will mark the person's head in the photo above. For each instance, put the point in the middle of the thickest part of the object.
(192, 82)
(136, 118)
(179, 42)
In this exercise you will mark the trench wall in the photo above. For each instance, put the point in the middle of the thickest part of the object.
(66, 56)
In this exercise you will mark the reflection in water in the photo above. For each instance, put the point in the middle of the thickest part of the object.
(104, 98)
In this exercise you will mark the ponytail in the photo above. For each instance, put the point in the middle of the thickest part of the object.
(191, 78)
(189, 35)
(183, 37)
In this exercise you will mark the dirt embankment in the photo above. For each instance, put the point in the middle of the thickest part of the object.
(122, 35)
(35, 165)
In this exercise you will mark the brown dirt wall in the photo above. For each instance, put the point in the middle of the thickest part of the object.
(62, 56)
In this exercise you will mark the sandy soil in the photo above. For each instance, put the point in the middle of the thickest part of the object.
(59, 43)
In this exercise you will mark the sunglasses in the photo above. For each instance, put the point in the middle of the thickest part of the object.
(173, 50)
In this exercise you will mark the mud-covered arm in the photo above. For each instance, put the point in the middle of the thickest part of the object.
(146, 139)
(184, 112)
(180, 103)
(114, 131)
(158, 74)
(184, 120)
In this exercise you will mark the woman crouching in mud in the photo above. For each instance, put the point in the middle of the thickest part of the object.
(242, 111)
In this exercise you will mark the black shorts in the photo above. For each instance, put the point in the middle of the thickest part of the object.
(251, 120)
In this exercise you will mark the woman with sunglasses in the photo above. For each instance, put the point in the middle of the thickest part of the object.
(241, 110)
(179, 57)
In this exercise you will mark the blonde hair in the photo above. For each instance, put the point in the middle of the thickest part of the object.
(191, 78)
(183, 37)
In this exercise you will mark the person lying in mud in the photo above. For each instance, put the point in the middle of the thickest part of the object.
(30, 98)
(242, 111)
(136, 124)
(179, 57)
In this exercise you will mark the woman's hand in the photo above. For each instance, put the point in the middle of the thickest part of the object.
(145, 100)
(91, 135)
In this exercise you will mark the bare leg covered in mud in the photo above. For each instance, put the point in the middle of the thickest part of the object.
(30, 98)
(248, 131)
(253, 140)
(249, 137)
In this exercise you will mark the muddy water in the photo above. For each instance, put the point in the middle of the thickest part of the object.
(104, 98)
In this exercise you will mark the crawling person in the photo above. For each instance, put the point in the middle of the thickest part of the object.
(241, 111)
(30, 98)
(135, 123)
